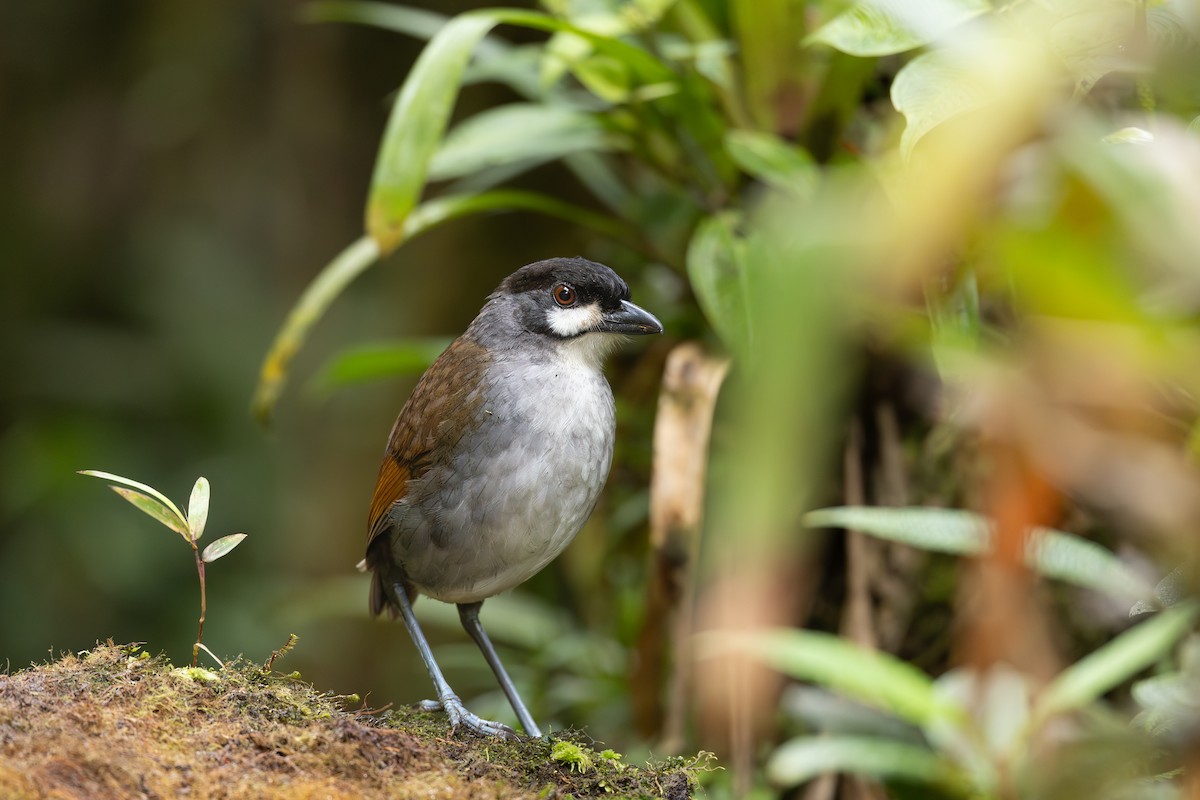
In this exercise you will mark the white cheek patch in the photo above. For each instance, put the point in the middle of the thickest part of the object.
(575, 320)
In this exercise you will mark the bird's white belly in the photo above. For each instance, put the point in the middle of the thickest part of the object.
(517, 490)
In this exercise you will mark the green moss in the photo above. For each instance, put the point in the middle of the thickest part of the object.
(117, 722)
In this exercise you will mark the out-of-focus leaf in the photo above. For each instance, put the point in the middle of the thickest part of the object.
(415, 127)
(1167, 592)
(877, 679)
(150, 490)
(1055, 554)
(808, 757)
(1129, 136)
(154, 508)
(768, 158)
(533, 133)
(931, 89)
(819, 709)
(717, 271)
(198, 508)
(221, 547)
(372, 362)
(1116, 662)
(884, 27)
(311, 306)
(941, 530)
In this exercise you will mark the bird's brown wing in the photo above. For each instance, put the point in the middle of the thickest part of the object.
(445, 399)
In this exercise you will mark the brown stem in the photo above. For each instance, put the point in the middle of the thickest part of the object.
(203, 603)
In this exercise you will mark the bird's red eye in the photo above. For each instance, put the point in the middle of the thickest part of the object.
(564, 295)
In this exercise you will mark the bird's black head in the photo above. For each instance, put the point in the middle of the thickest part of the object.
(565, 298)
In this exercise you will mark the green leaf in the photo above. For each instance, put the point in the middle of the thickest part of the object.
(869, 676)
(770, 159)
(1116, 662)
(221, 547)
(372, 362)
(716, 268)
(198, 509)
(518, 132)
(931, 89)
(1052, 553)
(311, 306)
(941, 530)
(804, 758)
(150, 490)
(154, 508)
(416, 125)
(885, 27)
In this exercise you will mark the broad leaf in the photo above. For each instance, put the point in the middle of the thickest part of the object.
(809, 757)
(150, 490)
(198, 509)
(519, 132)
(931, 89)
(717, 270)
(885, 27)
(770, 159)
(1116, 662)
(154, 508)
(869, 676)
(221, 547)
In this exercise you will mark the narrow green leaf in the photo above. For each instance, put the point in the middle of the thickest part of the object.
(372, 362)
(885, 27)
(869, 676)
(931, 89)
(804, 758)
(154, 508)
(1055, 554)
(941, 530)
(311, 306)
(716, 268)
(1116, 662)
(531, 133)
(221, 547)
(150, 490)
(416, 125)
(198, 508)
(770, 159)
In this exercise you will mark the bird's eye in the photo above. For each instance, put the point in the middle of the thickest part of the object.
(564, 295)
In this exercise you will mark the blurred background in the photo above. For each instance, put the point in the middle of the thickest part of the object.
(945, 249)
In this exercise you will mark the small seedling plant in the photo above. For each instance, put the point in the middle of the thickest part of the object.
(190, 526)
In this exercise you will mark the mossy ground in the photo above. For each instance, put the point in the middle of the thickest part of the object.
(116, 723)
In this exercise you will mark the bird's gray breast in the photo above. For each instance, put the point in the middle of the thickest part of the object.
(517, 487)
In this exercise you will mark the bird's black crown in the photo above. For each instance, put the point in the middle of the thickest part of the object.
(592, 281)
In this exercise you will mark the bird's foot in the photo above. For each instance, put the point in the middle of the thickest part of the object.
(459, 715)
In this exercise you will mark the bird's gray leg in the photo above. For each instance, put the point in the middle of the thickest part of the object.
(469, 614)
(447, 700)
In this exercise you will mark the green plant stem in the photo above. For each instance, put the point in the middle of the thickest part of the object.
(203, 603)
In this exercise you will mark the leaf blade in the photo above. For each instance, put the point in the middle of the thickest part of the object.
(197, 516)
(150, 506)
(1107, 667)
(221, 547)
(141, 487)
(804, 758)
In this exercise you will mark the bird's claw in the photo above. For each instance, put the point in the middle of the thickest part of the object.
(459, 715)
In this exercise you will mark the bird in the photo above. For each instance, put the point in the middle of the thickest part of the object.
(498, 457)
